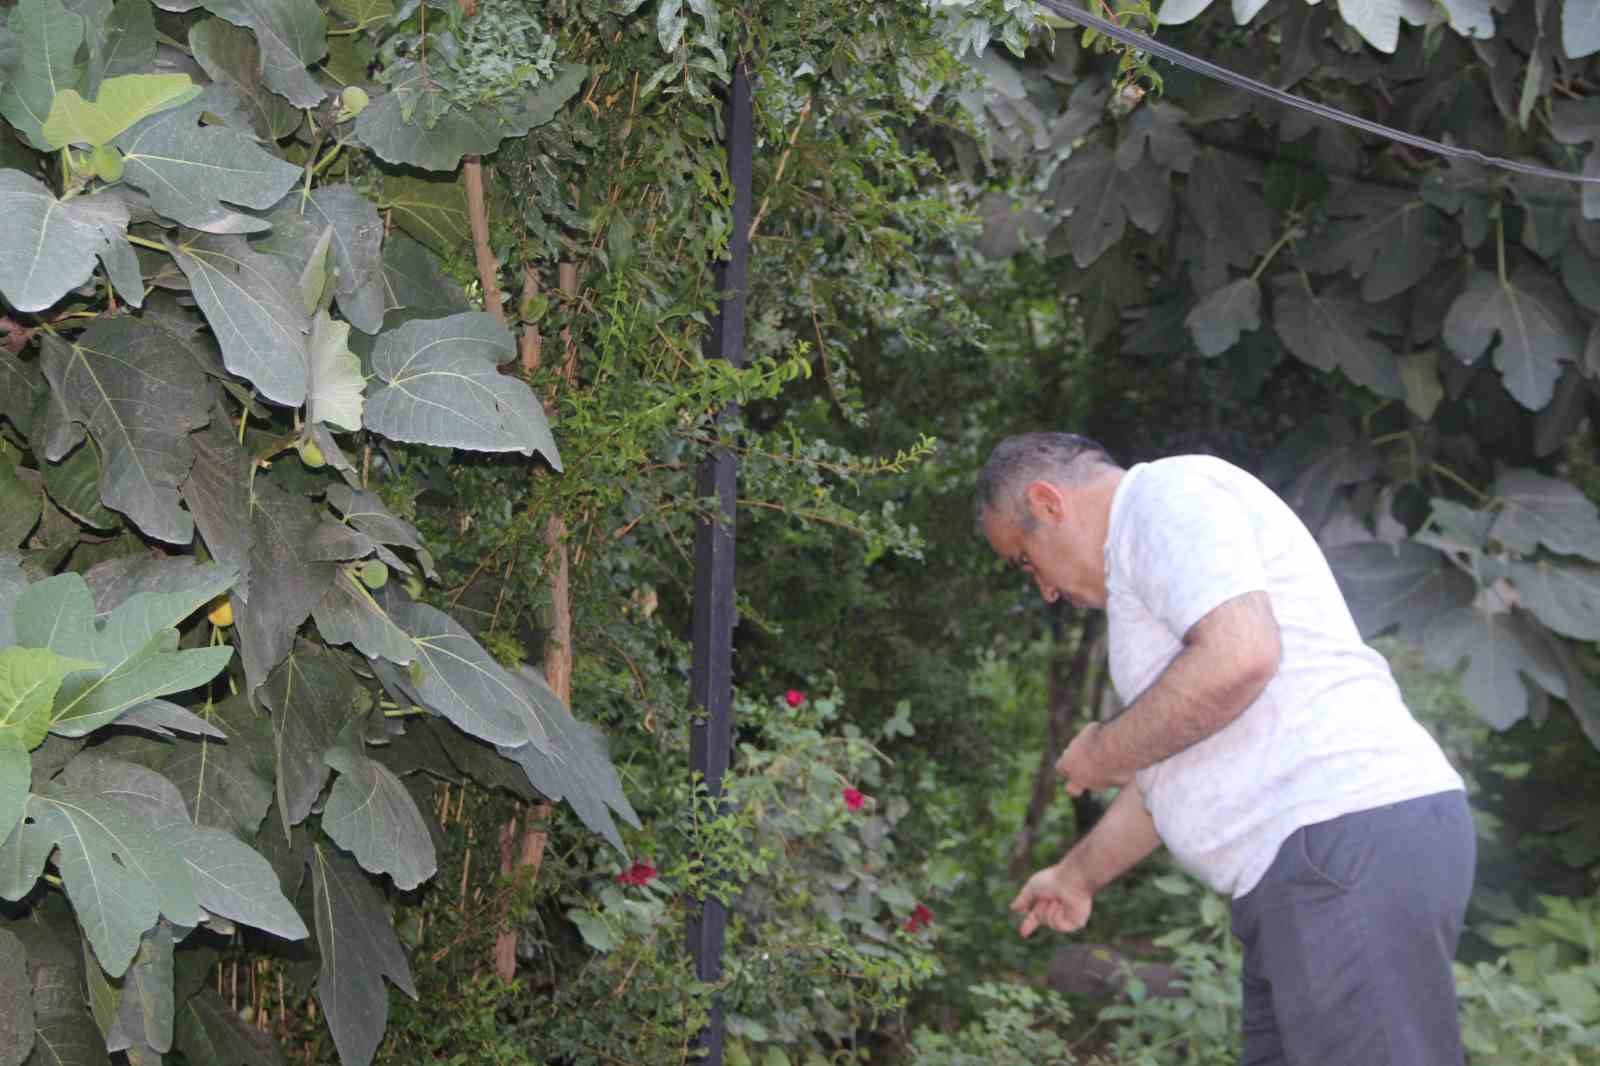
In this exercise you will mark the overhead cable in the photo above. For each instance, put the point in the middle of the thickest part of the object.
(1211, 70)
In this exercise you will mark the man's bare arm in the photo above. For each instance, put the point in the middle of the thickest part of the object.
(1060, 896)
(1229, 656)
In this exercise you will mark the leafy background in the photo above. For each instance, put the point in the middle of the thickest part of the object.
(300, 297)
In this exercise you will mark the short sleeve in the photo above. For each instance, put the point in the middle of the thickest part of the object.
(1187, 546)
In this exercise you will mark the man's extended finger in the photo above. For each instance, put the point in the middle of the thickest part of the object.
(1029, 924)
(1022, 902)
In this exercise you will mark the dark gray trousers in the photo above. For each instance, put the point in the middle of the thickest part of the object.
(1350, 936)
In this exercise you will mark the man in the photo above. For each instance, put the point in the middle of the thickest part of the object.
(1262, 742)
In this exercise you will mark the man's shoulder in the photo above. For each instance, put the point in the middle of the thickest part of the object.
(1170, 480)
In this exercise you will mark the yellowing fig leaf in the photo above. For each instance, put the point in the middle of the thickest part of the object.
(122, 102)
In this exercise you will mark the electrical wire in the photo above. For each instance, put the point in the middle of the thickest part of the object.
(1229, 77)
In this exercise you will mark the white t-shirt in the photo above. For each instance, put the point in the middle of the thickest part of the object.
(1329, 735)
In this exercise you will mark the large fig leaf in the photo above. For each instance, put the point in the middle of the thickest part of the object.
(229, 878)
(144, 1013)
(440, 385)
(393, 124)
(433, 209)
(291, 35)
(576, 767)
(189, 170)
(358, 949)
(16, 1002)
(208, 1030)
(1535, 324)
(219, 784)
(1102, 201)
(357, 251)
(1500, 648)
(1566, 598)
(370, 814)
(313, 698)
(49, 36)
(51, 245)
(139, 398)
(119, 873)
(1408, 586)
(136, 647)
(252, 302)
(29, 680)
(287, 579)
(349, 614)
(1327, 330)
(455, 677)
(218, 492)
(230, 56)
(1536, 510)
(1218, 321)
(1392, 241)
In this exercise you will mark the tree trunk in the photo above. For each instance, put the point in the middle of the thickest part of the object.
(1065, 700)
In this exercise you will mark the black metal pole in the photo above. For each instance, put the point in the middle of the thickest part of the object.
(711, 682)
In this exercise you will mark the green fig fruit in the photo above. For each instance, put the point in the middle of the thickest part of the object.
(352, 101)
(106, 163)
(311, 455)
(374, 573)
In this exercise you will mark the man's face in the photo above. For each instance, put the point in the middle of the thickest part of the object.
(1059, 555)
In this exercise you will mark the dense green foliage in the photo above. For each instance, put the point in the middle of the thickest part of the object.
(278, 388)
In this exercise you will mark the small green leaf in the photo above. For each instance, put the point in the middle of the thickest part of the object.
(121, 102)
(592, 927)
(334, 383)
(29, 679)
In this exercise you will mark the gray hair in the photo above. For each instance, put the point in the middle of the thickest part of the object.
(1064, 459)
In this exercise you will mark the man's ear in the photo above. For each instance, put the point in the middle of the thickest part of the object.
(1045, 502)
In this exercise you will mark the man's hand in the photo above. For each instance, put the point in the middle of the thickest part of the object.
(1056, 897)
(1082, 764)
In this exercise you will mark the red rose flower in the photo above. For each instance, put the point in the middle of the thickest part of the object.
(640, 873)
(794, 697)
(920, 917)
(853, 799)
